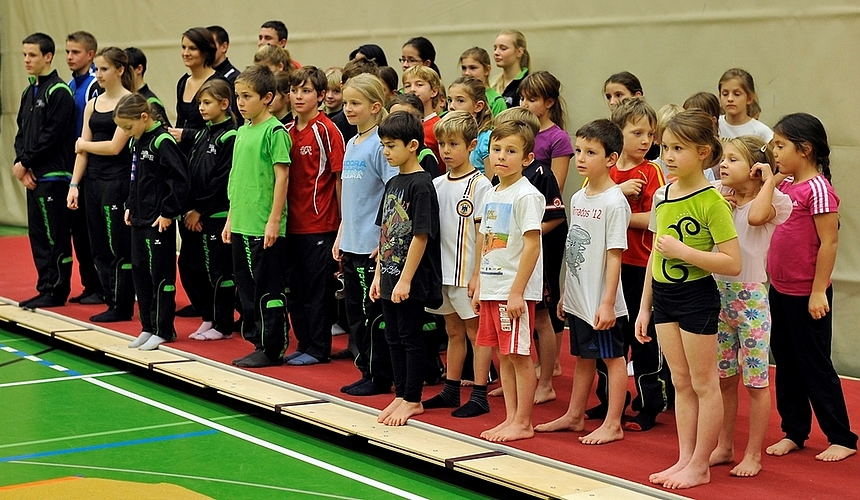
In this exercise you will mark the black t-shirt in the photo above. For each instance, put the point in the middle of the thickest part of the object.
(346, 129)
(409, 206)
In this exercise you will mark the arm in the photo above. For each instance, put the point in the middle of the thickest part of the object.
(112, 147)
(413, 258)
(560, 165)
(547, 226)
(727, 260)
(605, 317)
(762, 210)
(640, 220)
(60, 113)
(80, 159)
(644, 317)
(279, 200)
(475, 290)
(531, 252)
(827, 226)
(227, 233)
(374, 287)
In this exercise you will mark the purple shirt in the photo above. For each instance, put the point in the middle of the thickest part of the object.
(552, 143)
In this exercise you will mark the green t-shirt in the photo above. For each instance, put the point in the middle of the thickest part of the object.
(700, 220)
(497, 102)
(250, 189)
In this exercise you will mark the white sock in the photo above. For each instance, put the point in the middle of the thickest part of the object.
(140, 340)
(204, 326)
(152, 344)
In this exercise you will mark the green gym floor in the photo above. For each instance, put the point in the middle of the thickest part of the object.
(73, 416)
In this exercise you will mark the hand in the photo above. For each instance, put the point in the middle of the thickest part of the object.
(762, 171)
(472, 286)
(72, 198)
(19, 170)
(670, 248)
(127, 217)
(29, 180)
(176, 133)
(476, 303)
(731, 199)
(162, 223)
(516, 305)
(79, 146)
(401, 291)
(192, 221)
(559, 311)
(374, 253)
(604, 319)
(818, 305)
(373, 293)
(632, 187)
(227, 234)
(641, 327)
(335, 249)
(273, 230)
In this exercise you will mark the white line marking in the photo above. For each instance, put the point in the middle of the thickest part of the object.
(259, 442)
(117, 431)
(183, 476)
(59, 368)
(9, 349)
(59, 379)
(33, 358)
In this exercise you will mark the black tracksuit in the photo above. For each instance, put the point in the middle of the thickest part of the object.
(159, 188)
(45, 144)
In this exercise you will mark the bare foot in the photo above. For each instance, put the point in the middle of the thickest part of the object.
(565, 422)
(835, 453)
(489, 433)
(782, 447)
(556, 370)
(496, 393)
(662, 476)
(722, 456)
(544, 394)
(749, 466)
(687, 478)
(389, 410)
(403, 413)
(603, 434)
(513, 432)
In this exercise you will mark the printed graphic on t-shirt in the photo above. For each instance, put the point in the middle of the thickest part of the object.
(396, 234)
(498, 222)
(686, 226)
(578, 239)
(353, 169)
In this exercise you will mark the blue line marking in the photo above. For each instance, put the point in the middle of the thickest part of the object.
(22, 354)
(105, 446)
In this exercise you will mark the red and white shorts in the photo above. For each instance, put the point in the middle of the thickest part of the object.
(497, 329)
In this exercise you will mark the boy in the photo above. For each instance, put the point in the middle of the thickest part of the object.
(257, 190)
(313, 208)
(413, 105)
(408, 275)
(461, 196)
(510, 274)
(44, 151)
(222, 64)
(593, 300)
(333, 102)
(426, 84)
(137, 63)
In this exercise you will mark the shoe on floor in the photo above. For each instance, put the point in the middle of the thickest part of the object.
(292, 355)
(256, 359)
(110, 316)
(357, 383)
(188, 312)
(45, 301)
(303, 359)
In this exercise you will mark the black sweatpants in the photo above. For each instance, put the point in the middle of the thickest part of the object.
(363, 316)
(153, 265)
(192, 271)
(804, 372)
(50, 240)
(312, 303)
(259, 277)
(218, 260)
(110, 240)
(404, 332)
(79, 222)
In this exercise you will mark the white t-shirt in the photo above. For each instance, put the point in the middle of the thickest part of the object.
(598, 223)
(752, 127)
(461, 207)
(755, 240)
(508, 214)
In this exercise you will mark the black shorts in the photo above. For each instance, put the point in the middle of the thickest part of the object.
(694, 305)
(588, 343)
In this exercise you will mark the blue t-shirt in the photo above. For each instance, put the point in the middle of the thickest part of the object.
(481, 151)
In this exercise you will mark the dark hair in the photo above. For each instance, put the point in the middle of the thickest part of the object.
(279, 27)
(402, 126)
(136, 58)
(426, 51)
(407, 99)
(205, 43)
(220, 34)
(309, 74)
(807, 134)
(707, 102)
(45, 42)
(389, 77)
(116, 57)
(628, 79)
(543, 85)
(219, 89)
(357, 67)
(370, 51)
(84, 38)
(605, 132)
(259, 78)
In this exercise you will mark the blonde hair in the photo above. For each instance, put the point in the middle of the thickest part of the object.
(754, 150)
(633, 108)
(476, 91)
(428, 75)
(664, 114)
(370, 87)
(334, 75)
(457, 124)
(273, 55)
(525, 60)
(517, 121)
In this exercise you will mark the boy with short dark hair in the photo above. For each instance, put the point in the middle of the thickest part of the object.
(137, 63)
(408, 275)
(256, 223)
(313, 207)
(593, 300)
(511, 276)
(44, 151)
(222, 64)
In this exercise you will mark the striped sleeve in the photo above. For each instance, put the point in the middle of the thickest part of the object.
(822, 198)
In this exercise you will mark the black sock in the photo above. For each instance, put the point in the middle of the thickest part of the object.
(448, 398)
(477, 404)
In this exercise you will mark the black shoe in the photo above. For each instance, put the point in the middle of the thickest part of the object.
(188, 312)
(344, 354)
(110, 316)
(45, 301)
(92, 299)
(257, 359)
(26, 303)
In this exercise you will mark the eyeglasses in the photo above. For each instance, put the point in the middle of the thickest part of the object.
(409, 60)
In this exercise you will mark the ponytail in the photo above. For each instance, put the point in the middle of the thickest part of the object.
(117, 58)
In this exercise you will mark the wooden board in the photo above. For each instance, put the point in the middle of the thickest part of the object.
(420, 443)
(340, 419)
(93, 340)
(117, 347)
(33, 320)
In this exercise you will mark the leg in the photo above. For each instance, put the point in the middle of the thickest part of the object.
(574, 418)
(192, 271)
(409, 323)
(450, 395)
(48, 221)
(547, 355)
(610, 429)
(164, 280)
(522, 387)
(270, 298)
(242, 269)
(80, 239)
(312, 292)
(725, 450)
(140, 259)
(219, 268)
(759, 417)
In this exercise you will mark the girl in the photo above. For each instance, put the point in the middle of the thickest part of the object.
(365, 172)
(540, 93)
(512, 56)
(469, 94)
(710, 104)
(744, 330)
(280, 105)
(740, 104)
(419, 51)
(209, 170)
(157, 195)
(475, 62)
(390, 82)
(620, 86)
(426, 84)
(102, 151)
(690, 217)
(800, 262)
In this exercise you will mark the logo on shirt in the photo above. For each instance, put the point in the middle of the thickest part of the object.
(577, 240)
(212, 150)
(40, 103)
(306, 150)
(465, 208)
(146, 155)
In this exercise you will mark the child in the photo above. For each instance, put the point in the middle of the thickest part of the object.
(157, 195)
(256, 223)
(461, 194)
(137, 63)
(46, 117)
(365, 173)
(353, 68)
(425, 83)
(469, 94)
(710, 104)
(664, 114)
(313, 217)
(275, 58)
(209, 171)
(744, 331)
(408, 276)
(621, 86)
(510, 275)
(799, 263)
(741, 107)
(540, 93)
(512, 56)
(333, 102)
(690, 218)
(594, 301)
(280, 105)
(413, 105)
(475, 62)
(390, 82)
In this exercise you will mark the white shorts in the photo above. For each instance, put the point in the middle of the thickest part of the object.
(455, 299)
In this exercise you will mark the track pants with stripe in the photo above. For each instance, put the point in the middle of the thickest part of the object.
(312, 302)
(153, 265)
(364, 316)
(110, 241)
(50, 238)
(192, 272)
(78, 222)
(218, 260)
